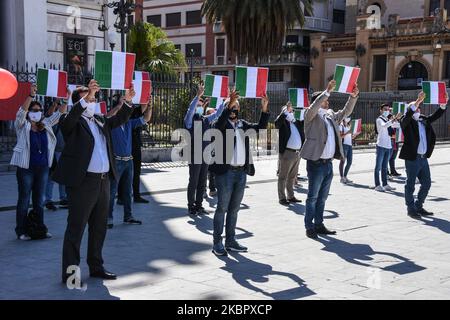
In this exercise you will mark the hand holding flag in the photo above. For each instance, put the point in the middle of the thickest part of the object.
(355, 92)
(129, 94)
(233, 99)
(93, 89)
(331, 86)
(265, 103)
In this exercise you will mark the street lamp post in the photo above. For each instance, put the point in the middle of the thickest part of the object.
(191, 53)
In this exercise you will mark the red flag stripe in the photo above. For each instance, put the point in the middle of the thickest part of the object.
(442, 90)
(129, 69)
(305, 98)
(145, 92)
(261, 83)
(103, 107)
(353, 79)
(62, 84)
(224, 89)
(145, 76)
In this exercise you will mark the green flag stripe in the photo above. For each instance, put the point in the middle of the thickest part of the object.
(103, 68)
(213, 103)
(426, 86)
(241, 80)
(293, 96)
(209, 85)
(42, 82)
(339, 74)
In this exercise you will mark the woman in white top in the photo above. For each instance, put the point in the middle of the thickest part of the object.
(347, 139)
(384, 147)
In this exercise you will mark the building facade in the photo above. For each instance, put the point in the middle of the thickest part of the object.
(206, 49)
(397, 43)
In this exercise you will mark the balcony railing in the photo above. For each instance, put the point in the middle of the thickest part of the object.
(317, 24)
(287, 58)
(196, 61)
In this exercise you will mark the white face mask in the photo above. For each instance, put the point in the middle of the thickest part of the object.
(35, 116)
(90, 110)
(416, 116)
(290, 117)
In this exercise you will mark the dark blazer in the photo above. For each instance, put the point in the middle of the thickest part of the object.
(284, 130)
(223, 125)
(410, 129)
(76, 156)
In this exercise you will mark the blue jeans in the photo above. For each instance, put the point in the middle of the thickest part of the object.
(382, 161)
(31, 184)
(230, 192)
(420, 169)
(348, 157)
(320, 176)
(51, 183)
(125, 175)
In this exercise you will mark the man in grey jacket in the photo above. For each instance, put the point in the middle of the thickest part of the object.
(322, 145)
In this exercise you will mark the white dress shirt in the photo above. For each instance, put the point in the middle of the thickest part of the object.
(384, 139)
(295, 140)
(348, 137)
(330, 147)
(422, 148)
(238, 159)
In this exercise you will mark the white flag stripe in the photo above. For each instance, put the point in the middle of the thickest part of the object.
(138, 89)
(434, 92)
(138, 76)
(52, 84)
(117, 74)
(301, 97)
(252, 78)
(217, 89)
(72, 88)
(345, 79)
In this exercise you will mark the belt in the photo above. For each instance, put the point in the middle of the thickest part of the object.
(293, 150)
(123, 158)
(323, 161)
(421, 156)
(237, 168)
(101, 176)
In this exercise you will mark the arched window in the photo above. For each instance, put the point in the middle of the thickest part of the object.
(412, 75)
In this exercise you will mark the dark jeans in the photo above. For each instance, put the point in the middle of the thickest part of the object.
(393, 157)
(31, 184)
(420, 169)
(88, 204)
(320, 176)
(198, 174)
(382, 161)
(212, 181)
(124, 174)
(230, 192)
(348, 156)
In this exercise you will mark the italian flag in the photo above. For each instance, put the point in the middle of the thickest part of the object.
(52, 83)
(299, 98)
(299, 114)
(435, 92)
(114, 70)
(142, 86)
(356, 126)
(399, 107)
(399, 137)
(346, 78)
(251, 82)
(100, 108)
(216, 86)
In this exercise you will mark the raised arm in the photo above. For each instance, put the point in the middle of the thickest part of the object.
(265, 115)
(313, 110)
(349, 106)
(124, 114)
(411, 109)
(439, 112)
(213, 117)
(21, 116)
(280, 121)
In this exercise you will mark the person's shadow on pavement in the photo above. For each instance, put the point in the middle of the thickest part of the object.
(356, 253)
(440, 224)
(245, 271)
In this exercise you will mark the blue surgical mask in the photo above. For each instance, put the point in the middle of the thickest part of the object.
(199, 111)
(386, 114)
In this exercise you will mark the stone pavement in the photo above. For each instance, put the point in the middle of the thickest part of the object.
(379, 253)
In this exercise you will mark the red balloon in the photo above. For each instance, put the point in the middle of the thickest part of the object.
(8, 84)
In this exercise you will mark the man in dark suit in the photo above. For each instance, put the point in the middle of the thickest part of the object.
(232, 164)
(85, 166)
(419, 141)
(291, 137)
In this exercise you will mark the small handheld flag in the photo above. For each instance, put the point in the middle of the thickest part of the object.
(356, 126)
(399, 137)
(299, 114)
(299, 98)
(114, 70)
(346, 78)
(100, 108)
(435, 92)
(216, 86)
(251, 82)
(142, 87)
(52, 83)
(399, 107)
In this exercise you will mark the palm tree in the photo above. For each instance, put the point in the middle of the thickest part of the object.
(154, 51)
(256, 28)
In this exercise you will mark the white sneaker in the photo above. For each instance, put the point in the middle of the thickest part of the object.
(24, 237)
(343, 181)
(389, 188)
(379, 189)
(49, 235)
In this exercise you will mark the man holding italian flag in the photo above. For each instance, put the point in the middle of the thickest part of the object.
(418, 146)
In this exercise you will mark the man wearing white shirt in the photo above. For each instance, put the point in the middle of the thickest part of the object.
(384, 147)
(323, 144)
(418, 146)
(85, 167)
(291, 138)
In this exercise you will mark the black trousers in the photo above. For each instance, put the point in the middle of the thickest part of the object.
(392, 160)
(198, 175)
(88, 204)
(212, 181)
(137, 161)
